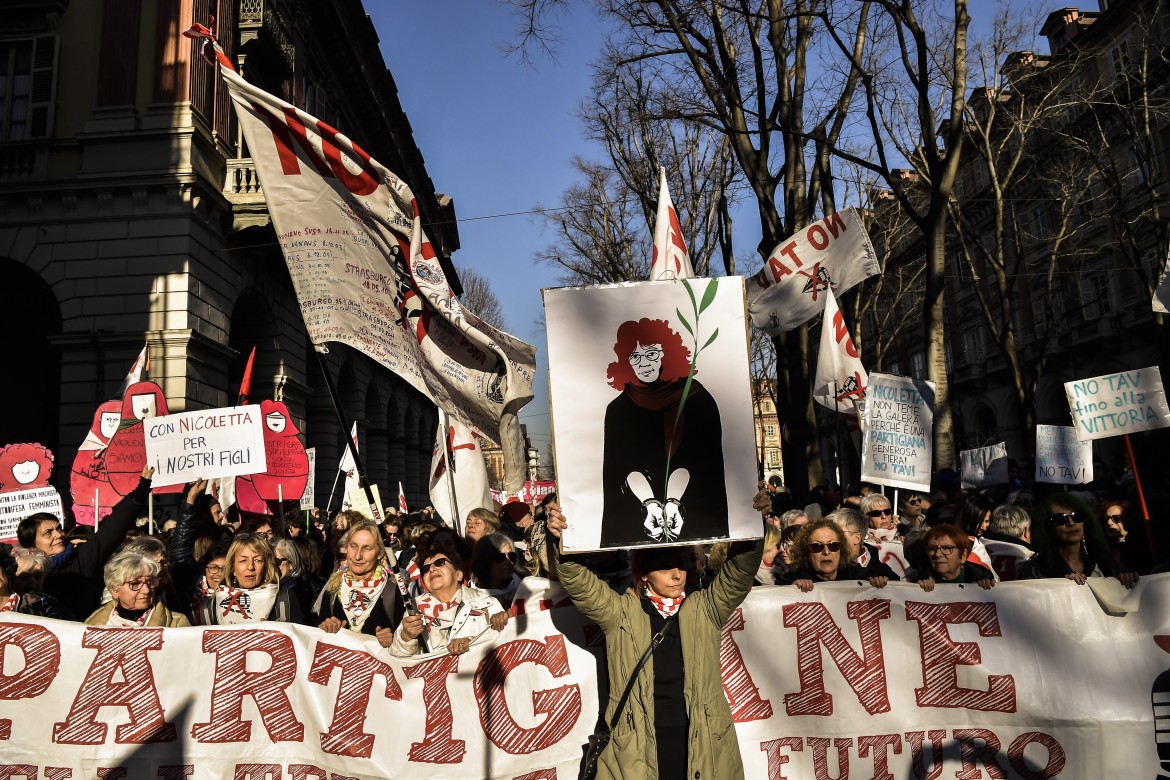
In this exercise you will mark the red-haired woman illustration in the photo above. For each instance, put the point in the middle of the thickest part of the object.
(663, 470)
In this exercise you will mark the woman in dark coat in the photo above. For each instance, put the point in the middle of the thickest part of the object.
(821, 552)
(1070, 543)
(361, 596)
(662, 469)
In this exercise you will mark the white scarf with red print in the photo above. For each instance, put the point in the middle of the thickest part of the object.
(357, 595)
(432, 609)
(244, 605)
(667, 607)
(10, 604)
(117, 620)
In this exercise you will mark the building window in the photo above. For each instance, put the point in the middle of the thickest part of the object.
(918, 364)
(894, 367)
(1119, 57)
(973, 345)
(770, 431)
(26, 87)
(1096, 296)
(773, 457)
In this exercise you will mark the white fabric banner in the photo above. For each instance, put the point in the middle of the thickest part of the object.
(671, 259)
(846, 682)
(1114, 404)
(309, 497)
(896, 443)
(1161, 299)
(841, 379)
(834, 253)
(984, 466)
(209, 443)
(365, 274)
(1061, 457)
(459, 478)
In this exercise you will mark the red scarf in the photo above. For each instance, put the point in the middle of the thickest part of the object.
(431, 608)
(667, 607)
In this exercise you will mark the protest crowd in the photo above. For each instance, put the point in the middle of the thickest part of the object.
(337, 571)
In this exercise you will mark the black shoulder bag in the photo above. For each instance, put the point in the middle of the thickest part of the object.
(600, 738)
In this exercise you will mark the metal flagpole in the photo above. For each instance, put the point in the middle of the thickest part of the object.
(837, 426)
(392, 559)
(329, 505)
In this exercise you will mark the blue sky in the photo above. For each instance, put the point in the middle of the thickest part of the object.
(499, 137)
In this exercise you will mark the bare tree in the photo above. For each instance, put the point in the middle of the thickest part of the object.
(479, 298)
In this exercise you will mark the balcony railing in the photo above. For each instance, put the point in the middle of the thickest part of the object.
(23, 161)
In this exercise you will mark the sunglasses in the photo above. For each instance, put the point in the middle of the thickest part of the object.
(511, 557)
(436, 563)
(946, 550)
(136, 585)
(281, 561)
(817, 547)
(1065, 519)
(1115, 518)
(879, 512)
(914, 501)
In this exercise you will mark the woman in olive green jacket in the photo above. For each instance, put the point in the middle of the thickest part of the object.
(712, 750)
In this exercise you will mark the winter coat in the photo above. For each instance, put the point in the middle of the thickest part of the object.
(79, 582)
(713, 750)
(467, 620)
(161, 617)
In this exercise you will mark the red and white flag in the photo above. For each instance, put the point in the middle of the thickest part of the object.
(459, 478)
(348, 466)
(833, 253)
(138, 371)
(402, 499)
(364, 273)
(841, 380)
(671, 260)
(246, 381)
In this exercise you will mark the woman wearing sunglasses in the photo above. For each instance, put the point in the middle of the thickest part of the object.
(883, 523)
(947, 549)
(452, 614)
(821, 552)
(493, 568)
(1069, 543)
(133, 581)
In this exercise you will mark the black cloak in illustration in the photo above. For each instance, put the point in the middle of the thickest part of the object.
(640, 429)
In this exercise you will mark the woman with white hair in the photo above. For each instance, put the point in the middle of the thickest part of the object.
(133, 581)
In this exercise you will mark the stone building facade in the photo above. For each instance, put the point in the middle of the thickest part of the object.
(129, 211)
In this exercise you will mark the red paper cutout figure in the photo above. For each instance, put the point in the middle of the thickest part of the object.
(126, 456)
(24, 467)
(88, 476)
(288, 464)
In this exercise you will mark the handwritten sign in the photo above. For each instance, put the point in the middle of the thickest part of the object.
(1061, 457)
(19, 504)
(984, 466)
(210, 443)
(1115, 404)
(309, 497)
(896, 447)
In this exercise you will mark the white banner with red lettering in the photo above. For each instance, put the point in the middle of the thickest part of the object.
(1028, 680)
(834, 253)
(365, 274)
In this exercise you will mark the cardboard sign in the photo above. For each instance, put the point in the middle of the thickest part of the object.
(984, 466)
(309, 497)
(1061, 457)
(896, 445)
(651, 412)
(1115, 404)
(359, 503)
(209, 443)
(19, 504)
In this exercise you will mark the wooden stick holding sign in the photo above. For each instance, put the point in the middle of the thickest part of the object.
(1137, 481)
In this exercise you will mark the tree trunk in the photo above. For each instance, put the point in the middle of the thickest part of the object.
(934, 328)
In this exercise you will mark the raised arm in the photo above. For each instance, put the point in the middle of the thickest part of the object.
(592, 597)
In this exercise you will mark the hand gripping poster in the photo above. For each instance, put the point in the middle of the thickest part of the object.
(651, 410)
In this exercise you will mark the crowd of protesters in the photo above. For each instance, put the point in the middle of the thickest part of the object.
(346, 572)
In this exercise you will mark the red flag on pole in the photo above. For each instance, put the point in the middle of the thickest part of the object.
(246, 382)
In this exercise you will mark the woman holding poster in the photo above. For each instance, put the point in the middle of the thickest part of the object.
(678, 723)
(662, 469)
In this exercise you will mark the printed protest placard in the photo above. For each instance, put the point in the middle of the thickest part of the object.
(210, 443)
(309, 497)
(896, 445)
(651, 412)
(984, 466)
(17, 505)
(1061, 457)
(1114, 404)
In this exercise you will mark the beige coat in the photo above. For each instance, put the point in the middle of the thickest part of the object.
(713, 748)
(161, 617)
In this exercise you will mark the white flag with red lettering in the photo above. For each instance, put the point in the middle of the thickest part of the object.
(834, 253)
(671, 260)
(365, 274)
(459, 478)
(841, 379)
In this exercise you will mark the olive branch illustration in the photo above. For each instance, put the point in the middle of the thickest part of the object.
(697, 307)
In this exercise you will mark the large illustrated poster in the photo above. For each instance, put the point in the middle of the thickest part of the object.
(651, 412)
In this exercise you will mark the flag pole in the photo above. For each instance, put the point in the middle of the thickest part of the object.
(837, 427)
(1137, 480)
(391, 558)
(333, 492)
(96, 517)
